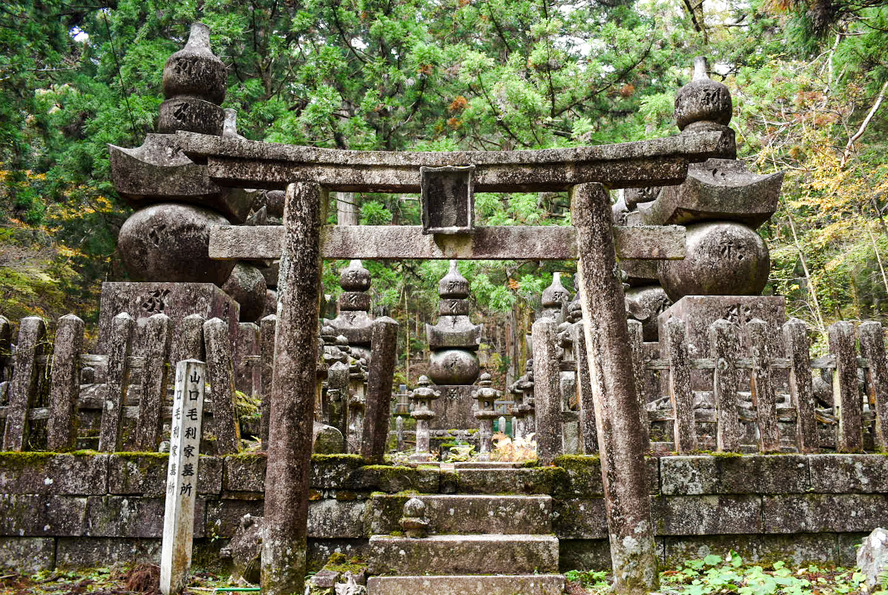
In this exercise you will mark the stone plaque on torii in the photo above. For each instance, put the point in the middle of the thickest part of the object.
(446, 182)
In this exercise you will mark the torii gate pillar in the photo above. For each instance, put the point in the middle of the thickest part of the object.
(627, 505)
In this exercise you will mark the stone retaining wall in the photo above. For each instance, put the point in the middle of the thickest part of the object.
(97, 509)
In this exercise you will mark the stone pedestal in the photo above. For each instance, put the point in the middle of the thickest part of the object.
(176, 300)
(700, 311)
(454, 409)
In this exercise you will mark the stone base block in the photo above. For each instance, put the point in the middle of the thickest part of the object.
(507, 515)
(176, 300)
(27, 555)
(464, 554)
(453, 409)
(700, 311)
(526, 584)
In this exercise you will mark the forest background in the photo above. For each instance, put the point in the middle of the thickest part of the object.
(808, 79)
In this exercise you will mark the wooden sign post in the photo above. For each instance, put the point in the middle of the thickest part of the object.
(178, 519)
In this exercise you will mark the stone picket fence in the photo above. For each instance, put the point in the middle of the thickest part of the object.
(53, 396)
(754, 388)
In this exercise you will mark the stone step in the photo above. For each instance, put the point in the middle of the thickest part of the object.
(525, 584)
(465, 513)
(463, 554)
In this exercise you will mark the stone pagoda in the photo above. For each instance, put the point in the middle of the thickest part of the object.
(453, 364)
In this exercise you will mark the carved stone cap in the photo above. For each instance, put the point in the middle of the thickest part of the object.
(453, 284)
(703, 102)
(555, 294)
(194, 71)
(355, 277)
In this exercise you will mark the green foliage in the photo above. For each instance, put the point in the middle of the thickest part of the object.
(713, 574)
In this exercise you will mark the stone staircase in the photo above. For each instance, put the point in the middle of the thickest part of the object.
(477, 544)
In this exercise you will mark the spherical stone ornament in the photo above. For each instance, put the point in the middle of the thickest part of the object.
(246, 286)
(194, 70)
(354, 277)
(722, 259)
(453, 366)
(170, 243)
(702, 102)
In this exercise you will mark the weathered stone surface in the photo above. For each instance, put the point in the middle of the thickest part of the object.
(327, 440)
(464, 514)
(158, 172)
(78, 552)
(61, 432)
(284, 549)
(846, 393)
(460, 554)
(645, 304)
(718, 189)
(526, 584)
(747, 474)
(27, 555)
(247, 287)
(615, 394)
(245, 549)
(23, 386)
(818, 513)
(392, 479)
(547, 393)
(191, 114)
(114, 390)
(396, 242)
(224, 517)
(169, 243)
(448, 199)
(335, 519)
(194, 70)
(123, 516)
(703, 101)
(722, 259)
(872, 347)
(336, 472)
(580, 518)
(656, 162)
(220, 373)
(583, 477)
(244, 473)
(156, 335)
(585, 554)
(454, 366)
(872, 557)
(145, 475)
(320, 550)
(453, 409)
(27, 515)
(384, 356)
(702, 515)
(698, 312)
(47, 473)
(513, 481)
(848, 473)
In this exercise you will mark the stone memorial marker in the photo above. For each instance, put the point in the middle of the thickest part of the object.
(178, 518)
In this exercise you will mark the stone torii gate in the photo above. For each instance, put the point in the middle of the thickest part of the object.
(447, 182)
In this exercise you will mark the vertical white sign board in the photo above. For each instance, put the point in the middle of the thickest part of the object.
(178, 518)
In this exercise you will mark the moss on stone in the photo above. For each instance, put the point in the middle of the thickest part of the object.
(23, 460)
(337, 458)
(577, 462)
